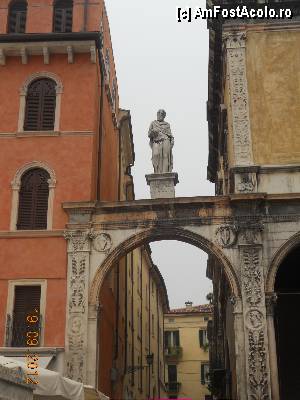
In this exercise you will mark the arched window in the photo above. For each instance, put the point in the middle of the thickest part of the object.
(17, 17)
(40, 105)
(33, 199)
(63, 16)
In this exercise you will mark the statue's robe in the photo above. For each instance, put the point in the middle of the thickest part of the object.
(161, 142)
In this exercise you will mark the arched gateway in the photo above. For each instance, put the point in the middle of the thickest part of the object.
(240, 232)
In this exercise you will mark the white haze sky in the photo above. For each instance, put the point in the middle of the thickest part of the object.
(163, 64)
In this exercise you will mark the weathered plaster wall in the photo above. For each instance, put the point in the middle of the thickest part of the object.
(273, 72)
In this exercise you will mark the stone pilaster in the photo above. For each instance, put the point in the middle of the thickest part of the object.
(255, 323)
(77, 303)
(271, 300)
(239, 347)
(235, 43)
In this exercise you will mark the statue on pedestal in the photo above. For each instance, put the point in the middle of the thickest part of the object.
(161, 143)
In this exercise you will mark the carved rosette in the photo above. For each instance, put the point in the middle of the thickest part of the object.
(254, 312)
(77, 307)
(236, 58)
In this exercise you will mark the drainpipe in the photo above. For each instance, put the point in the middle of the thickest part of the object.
(98, 170)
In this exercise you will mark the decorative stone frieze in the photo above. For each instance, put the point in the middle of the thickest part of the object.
(236, 58)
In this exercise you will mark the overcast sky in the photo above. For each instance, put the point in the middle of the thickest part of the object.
(163, 64)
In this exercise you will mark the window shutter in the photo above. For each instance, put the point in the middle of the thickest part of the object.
(201, 337)
(176, 338)
(33, 200)
(63, 16)
(27, 301)
(68, 19)
(202, 374)
(40, 106)
(58, 17)
(17, 17)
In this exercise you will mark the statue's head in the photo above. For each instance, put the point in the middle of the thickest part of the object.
(161, 115)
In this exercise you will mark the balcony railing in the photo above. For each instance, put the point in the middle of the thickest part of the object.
(173, 352)
(173, 387)
(23, 330)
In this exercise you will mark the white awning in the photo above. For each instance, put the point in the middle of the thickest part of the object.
(44, 361)
(53, 386)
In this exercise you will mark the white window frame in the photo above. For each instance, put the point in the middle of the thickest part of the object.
(23, 94)
(11, 300)
(16, 185)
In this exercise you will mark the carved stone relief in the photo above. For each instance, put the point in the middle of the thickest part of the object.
(246, 183)
(252, 276)
(77, 284)
(250, 232)
(258, 372)
(254, 319)
(102, 242)
(255, 322)
(77, 307)
(236, 56)
(226, 236)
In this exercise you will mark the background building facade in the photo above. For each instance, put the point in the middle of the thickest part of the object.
(186, 352)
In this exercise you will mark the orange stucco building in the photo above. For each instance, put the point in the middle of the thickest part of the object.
(59, 142)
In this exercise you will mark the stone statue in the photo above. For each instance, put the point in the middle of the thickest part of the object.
(161, 143)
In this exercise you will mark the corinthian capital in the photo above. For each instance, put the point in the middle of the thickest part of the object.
(235, 40)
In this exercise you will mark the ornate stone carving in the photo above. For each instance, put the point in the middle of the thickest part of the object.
(226, 235)
(254, 319)
(75, 361)
(250, 232)
(78, 239)
(236, 55)
(77, 285)
(235, 40)
(257, 361)
(77, 308)
(246, 183)
(252, 276)
(102, 242)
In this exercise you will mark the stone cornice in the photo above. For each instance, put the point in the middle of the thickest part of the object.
(21, 351)
(26, 49)
(31, 234)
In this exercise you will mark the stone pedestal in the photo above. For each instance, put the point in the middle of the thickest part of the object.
(162, 185)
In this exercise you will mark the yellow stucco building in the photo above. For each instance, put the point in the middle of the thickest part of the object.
(186, 352)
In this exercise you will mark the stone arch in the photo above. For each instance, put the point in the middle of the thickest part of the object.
(16, 184)
(30, 165)
(41, 74)
(278, 258)
(157, 234)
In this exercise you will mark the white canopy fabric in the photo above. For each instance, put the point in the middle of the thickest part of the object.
(53, 386)
(44, 361)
